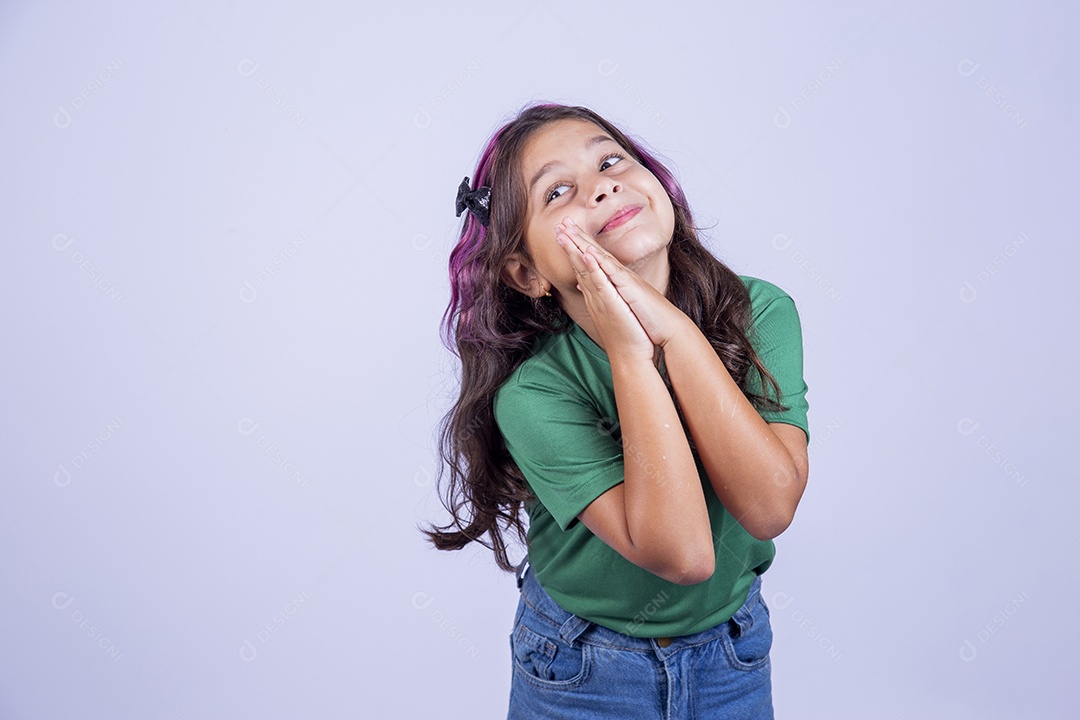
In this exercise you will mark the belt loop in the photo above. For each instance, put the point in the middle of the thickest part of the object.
(522, 568)
(572, 628)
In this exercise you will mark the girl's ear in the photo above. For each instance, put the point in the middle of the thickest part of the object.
(517, 274)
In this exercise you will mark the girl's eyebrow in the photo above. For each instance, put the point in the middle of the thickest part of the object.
(548, 167)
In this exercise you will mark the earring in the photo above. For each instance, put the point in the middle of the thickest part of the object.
(547, 293)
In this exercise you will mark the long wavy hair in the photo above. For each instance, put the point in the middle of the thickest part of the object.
(491, 328)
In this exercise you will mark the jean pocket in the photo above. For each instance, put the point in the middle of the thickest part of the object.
(749, 641)
(544, 659)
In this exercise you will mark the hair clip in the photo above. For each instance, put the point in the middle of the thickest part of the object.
(477, 201)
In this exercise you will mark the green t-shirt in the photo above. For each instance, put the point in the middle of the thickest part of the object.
(559, 420)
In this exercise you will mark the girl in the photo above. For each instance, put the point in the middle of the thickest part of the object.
(613, 386)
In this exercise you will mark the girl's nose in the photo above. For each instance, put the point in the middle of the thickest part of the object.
(604, 187)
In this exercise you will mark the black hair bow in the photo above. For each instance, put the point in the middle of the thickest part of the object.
(477, 201)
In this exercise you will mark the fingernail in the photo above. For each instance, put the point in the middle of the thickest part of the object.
(570, 221)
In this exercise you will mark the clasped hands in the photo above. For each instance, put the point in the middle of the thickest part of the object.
(630, 315)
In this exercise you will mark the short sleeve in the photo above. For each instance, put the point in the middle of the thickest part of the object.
(565, 449)
(777, 338)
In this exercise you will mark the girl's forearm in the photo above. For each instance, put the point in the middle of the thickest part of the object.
(748, 466)
(666, 516)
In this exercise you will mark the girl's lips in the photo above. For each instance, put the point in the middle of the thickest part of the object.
(620, 219)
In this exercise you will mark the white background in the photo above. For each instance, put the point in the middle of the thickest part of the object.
(225, 230)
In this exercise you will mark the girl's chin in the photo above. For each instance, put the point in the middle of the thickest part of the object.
(634, 253)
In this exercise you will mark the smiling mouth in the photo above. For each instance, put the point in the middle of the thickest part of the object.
(620, 219)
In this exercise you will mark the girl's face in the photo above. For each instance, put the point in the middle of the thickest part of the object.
(573, 168)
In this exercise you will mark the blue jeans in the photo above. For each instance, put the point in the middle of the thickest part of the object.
(567, 667)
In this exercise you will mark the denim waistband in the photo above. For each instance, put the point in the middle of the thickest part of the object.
(572, 627)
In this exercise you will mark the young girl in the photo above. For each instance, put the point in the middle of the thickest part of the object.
(613, 386)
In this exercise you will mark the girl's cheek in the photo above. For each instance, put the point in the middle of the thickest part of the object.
(569, 271)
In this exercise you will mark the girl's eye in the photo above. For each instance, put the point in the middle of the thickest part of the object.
(613, 155)
(548, 195)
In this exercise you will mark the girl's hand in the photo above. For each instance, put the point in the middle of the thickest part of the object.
(660, 319)
(618, 327)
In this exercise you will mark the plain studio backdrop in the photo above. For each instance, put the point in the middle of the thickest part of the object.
(225, 234)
